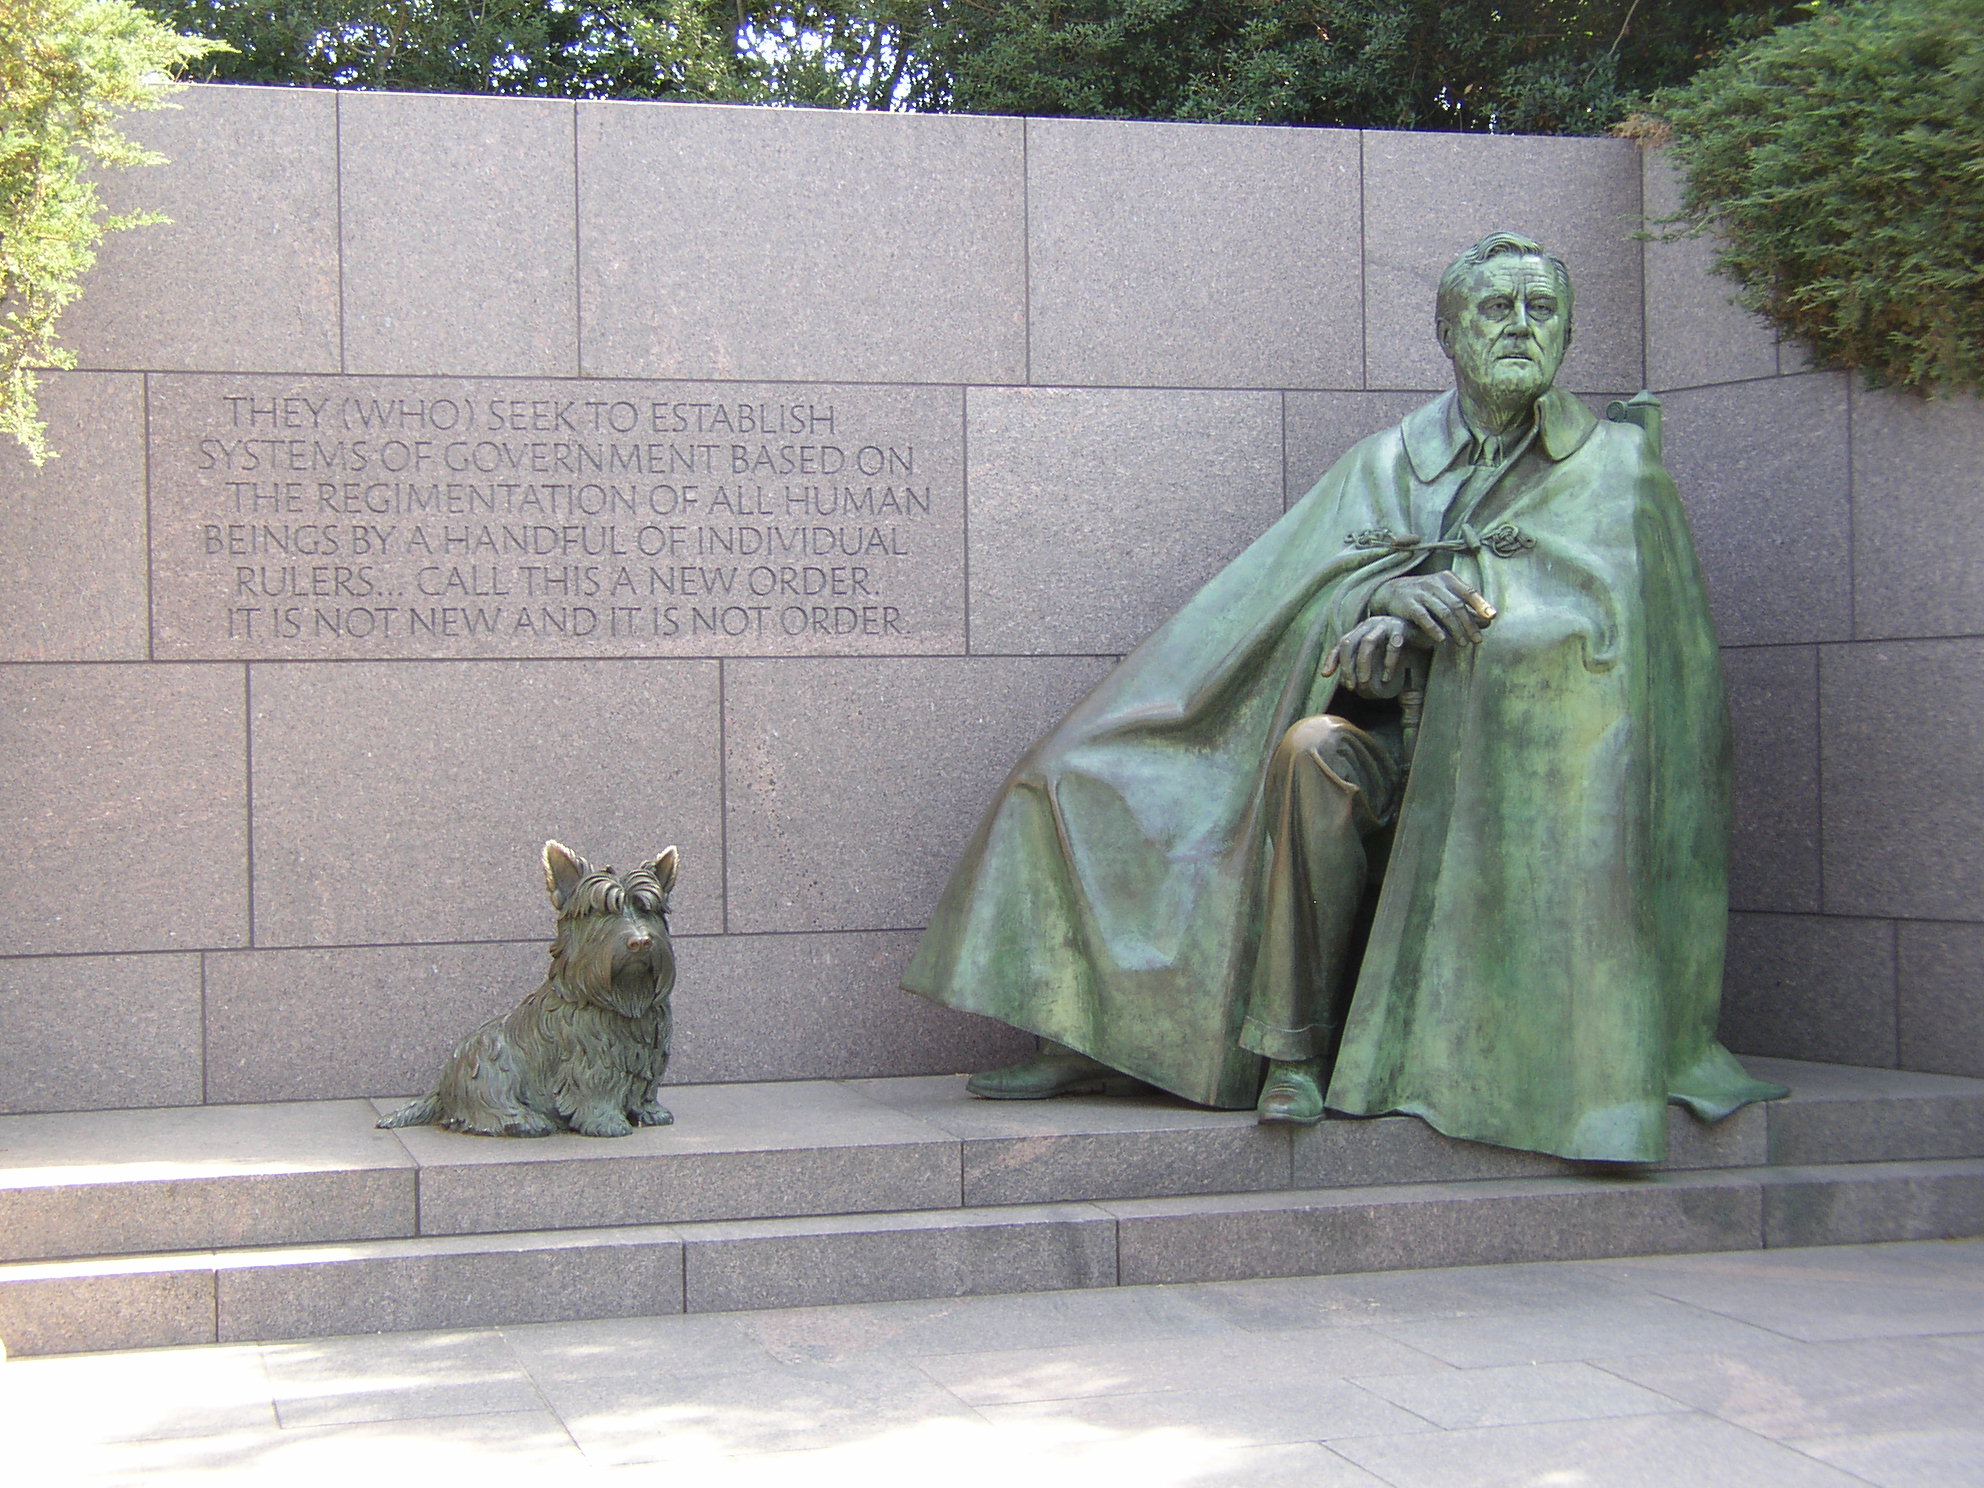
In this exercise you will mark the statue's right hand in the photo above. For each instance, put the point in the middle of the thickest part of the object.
(1368, 652)
(1441, 605)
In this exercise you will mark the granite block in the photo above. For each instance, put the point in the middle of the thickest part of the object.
(1810, 987)
(735, 1152)
(1763, 471)
(1173, 486)
(1939, 982)
(1318, 429)
(87, 1032)
(110, 1182)
(1429, 196)
(1860, 1203)
(73, 585)
(812, 1007)
(1840, 1114)
(1192, 255)
(244, 274)
(868, 246)
(1349, 1153)
(1695, 332)
(128, 778)
(395, 1286)
(459, 251)
(314, 518)
(1918, 465)
(410, 802)
(74, 1307)
(1774, 718)
(1092, 1147)
(334, 1024)
(1323, 1231)
(810, 1262)
(853, 784)
(1900, 758)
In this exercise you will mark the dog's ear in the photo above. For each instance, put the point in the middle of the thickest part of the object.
(662, 866)
(563, 870)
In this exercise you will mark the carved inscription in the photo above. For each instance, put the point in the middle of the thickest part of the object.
(421, 517)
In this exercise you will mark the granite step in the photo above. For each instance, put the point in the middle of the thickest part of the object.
(225, 1177)
(117, 1302)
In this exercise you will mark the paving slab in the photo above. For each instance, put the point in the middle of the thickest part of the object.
(1828, 1293)
(189, 1178)
(1517, 1395)
(701, 1417)
(343, 1381)
(511, 1447)
(1289, 1409)
(1635, 1452)
(1159, 1366)
(734, 1152)
(1952, 1457)
(1822, 1389)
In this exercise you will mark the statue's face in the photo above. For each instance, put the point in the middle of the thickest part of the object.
(1509, 338)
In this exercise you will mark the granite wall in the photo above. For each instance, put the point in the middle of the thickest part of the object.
(455, 473)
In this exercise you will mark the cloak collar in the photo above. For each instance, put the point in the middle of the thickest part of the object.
(1436, 435)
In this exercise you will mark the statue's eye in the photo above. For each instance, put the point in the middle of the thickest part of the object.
(1497, 307)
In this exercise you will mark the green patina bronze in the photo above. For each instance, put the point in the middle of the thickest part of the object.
(1474, 665)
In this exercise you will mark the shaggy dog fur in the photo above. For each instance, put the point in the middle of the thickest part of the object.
(585, 1051)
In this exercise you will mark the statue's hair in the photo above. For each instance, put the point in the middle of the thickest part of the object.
(1447, 303)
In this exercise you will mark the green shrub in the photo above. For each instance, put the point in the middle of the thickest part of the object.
(1842, 161)
(67, 69)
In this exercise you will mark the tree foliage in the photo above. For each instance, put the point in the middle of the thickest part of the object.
(68, 68)
(1842, 161)
(1554, 66)
(1538, 66)
(557, 48)
(865, 54)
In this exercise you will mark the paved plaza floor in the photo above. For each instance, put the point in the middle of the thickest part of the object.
(1840, 1366)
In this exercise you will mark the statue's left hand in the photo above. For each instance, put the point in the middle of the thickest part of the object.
(1369, 652)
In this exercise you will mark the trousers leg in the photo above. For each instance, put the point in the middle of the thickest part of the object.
(1331, 786)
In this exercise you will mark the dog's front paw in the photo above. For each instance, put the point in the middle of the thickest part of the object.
(601, 1124)
(652, 1115)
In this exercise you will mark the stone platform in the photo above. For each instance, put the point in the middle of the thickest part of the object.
(229, 1223)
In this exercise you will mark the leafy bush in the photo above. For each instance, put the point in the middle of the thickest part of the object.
(1842, 161)
(67, 68)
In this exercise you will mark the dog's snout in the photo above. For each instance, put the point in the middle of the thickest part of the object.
(639, 941)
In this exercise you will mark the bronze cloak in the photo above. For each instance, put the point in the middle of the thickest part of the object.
(1544, 969)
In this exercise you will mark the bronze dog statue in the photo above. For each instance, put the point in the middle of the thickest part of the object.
(585, 1051)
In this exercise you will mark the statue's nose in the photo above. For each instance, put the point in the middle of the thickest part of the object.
(639, 942)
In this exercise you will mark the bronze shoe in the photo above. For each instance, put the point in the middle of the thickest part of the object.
(1293, 1093)
(1053, 1071)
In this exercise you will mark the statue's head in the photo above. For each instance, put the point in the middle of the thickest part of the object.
(1503, 317)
